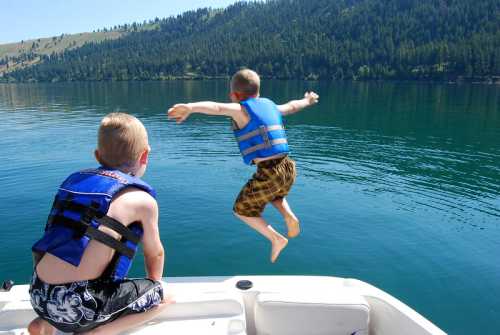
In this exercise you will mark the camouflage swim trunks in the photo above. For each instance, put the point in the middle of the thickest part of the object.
(273, 180)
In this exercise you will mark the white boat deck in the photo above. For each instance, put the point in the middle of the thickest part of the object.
(275, 305)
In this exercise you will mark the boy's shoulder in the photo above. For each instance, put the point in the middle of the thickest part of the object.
(133, 204)
(134, 197)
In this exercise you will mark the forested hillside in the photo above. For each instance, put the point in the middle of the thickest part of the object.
(341, 39)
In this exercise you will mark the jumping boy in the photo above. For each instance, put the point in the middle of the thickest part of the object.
(98, 218)
(259, 131)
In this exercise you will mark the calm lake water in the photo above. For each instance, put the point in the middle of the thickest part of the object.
(399, 185)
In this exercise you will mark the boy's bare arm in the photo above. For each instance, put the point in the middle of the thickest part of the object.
(310, 98)
(180, 112)
(153, 249)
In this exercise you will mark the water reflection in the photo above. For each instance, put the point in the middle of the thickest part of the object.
(430, 145)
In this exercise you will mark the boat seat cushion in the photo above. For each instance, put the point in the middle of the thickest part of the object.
(313, 313)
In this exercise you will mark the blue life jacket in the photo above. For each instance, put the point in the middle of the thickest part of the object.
(80, 207)
(264, 135)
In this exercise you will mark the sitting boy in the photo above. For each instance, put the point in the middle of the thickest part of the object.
(261, 138)
(98, 218)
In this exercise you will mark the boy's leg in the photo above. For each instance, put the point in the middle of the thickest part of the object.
(291, 220)
(125, 304)
(130, 321)
(40, 327)
(277, 240)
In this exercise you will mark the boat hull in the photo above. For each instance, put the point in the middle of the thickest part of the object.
(276, 305)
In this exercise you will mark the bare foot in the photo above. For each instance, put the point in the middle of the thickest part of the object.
(293, 226)
(277, 245)
(40, 327)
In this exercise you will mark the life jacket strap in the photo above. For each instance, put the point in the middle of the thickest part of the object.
(266, 144)
(116, 267)
(90, 213)
(84, 226)
(126, 233)
(261, 131)
(73, 206)
(104, 238)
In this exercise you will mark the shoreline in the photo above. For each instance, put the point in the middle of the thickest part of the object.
(492, 80)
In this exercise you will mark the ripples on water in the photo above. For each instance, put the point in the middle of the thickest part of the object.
(398, 184)
(461, 183)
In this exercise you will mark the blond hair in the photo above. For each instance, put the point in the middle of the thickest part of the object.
(122, 139)
(246, 81)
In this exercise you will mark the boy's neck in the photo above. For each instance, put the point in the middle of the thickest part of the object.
(121, 169)
(243, 97)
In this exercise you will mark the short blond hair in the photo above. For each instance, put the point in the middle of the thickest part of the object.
(246, 81)
(122, 139)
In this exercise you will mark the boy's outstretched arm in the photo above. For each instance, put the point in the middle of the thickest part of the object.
(180, 112)
(310, 98)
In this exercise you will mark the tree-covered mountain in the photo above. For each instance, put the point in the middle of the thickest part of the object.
(342, 39)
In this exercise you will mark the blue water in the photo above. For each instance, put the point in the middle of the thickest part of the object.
(398, 185)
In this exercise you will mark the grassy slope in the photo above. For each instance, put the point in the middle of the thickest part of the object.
(46, 46)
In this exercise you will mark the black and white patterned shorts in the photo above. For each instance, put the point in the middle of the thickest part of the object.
(84, 305)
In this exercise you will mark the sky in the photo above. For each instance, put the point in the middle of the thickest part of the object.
(29, 19)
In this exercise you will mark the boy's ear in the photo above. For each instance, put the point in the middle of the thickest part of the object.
(144, 157)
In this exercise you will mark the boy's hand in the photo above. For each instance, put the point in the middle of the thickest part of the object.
(311, 97)
(294, 106)
(179, 112)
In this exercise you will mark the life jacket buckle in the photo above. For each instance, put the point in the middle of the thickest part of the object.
(85, 220)
(265, 136)
(94, 210)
